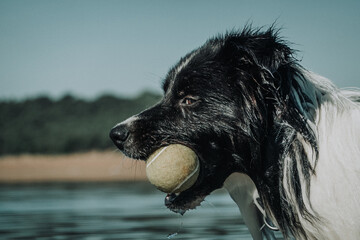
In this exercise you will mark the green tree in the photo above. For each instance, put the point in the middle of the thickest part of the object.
(70, 124)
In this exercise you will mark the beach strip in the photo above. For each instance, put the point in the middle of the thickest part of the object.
(79, 167)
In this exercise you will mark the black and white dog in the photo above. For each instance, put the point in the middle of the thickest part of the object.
(284, 141)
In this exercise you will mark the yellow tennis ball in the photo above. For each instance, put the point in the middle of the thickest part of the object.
(173, 169)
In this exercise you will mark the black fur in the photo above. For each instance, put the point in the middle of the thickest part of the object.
(230, 101)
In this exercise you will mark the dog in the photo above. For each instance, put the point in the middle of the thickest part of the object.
(284, 141)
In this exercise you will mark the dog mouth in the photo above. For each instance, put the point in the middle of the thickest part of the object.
(180, 202)
(192, 197)
(184, 201)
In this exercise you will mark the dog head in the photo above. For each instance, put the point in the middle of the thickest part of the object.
(215, 102)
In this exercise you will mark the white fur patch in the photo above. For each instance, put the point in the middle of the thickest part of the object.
(128, 121)
(335, 187)
(241, 189)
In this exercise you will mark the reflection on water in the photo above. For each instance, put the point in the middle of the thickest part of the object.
(95, 211)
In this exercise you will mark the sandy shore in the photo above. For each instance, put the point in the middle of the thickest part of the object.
(90, 166)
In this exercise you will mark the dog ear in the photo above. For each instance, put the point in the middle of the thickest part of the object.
(264, 48)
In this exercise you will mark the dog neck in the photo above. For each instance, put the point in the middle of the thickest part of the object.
(289, 152)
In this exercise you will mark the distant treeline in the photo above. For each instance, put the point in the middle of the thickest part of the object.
(70, 124)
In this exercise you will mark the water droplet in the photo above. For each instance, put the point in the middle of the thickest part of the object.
(170, 236)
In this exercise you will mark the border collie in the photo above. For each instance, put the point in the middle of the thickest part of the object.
(283, 141)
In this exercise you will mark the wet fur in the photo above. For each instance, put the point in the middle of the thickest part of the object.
(258, 112)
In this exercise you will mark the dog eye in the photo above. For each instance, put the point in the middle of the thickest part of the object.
(188, 101)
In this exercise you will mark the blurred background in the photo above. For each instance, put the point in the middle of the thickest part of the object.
(70, 70)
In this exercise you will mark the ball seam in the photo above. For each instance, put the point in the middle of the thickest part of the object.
(188, 177)
(157, 155)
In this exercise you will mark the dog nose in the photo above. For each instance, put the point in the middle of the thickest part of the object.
(119, 134)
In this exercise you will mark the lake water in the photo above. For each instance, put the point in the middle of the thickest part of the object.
(96, 211)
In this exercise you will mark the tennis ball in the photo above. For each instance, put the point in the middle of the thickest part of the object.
(173, 169)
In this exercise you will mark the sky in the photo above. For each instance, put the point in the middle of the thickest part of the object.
(123, 47)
